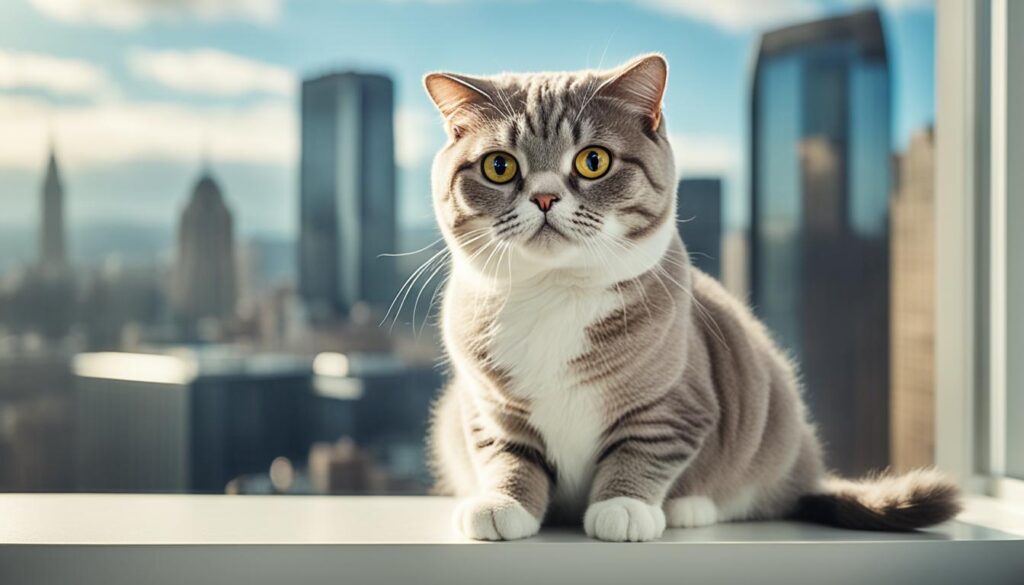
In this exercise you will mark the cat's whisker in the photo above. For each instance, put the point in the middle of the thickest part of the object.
(507, 251)
(470, 236)
(407, 281)
(622, 300)
(416, 303)
(408, 289)
(483, 271)
(510, 110)
(421, 250)
(702, 311)
(635, 280)
(433, 297)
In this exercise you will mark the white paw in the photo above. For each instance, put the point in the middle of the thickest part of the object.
(691, 512)
(494, 517)
(624, 519)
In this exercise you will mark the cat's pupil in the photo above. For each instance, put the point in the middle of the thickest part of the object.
(500, 165)
(593, 161)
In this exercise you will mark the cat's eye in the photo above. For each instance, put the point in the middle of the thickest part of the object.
(500, 167)
(592, 162)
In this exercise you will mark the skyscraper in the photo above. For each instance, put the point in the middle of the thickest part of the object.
(204, 288)
(819, 221)
(52, 255)
(347, 184)
(699, 211)
(913, 306)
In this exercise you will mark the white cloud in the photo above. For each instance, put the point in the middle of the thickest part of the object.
(211, 72)
(705, 155)
(134, 13)
(53, 74)
(417, 135)
(893, 5)
(753, 15)
(739, 15)
(117, 132)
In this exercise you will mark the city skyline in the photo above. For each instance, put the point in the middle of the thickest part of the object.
(223, 298)
(126, 73)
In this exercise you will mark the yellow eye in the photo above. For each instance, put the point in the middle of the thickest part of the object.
(592, 162)
(500, 167)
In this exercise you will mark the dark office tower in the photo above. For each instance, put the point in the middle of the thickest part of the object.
(52, 256)
(819, 222)
(204, 283)
(347, 186)
(699, 211)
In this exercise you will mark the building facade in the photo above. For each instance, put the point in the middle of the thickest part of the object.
(819, 246)
(699, 214)
(913, 306)
(347, 193)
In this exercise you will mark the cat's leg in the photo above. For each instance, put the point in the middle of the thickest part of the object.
(635, 470)
(514, 486)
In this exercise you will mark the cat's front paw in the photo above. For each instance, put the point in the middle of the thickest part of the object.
(624, 519)
(494, 517)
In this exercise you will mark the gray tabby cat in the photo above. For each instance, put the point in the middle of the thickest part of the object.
(596, 375)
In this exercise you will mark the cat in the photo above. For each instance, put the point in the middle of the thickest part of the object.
(596, 376)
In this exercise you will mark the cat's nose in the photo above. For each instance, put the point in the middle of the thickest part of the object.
(544, 200)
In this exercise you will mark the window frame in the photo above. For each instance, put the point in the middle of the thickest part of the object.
(971, 190)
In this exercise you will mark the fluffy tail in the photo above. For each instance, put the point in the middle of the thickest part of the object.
(890, 503)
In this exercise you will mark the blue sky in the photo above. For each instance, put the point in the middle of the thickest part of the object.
(132, 90)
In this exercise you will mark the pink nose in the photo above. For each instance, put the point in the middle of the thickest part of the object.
(544, 200)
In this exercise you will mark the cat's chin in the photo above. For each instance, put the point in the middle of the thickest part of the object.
(550, 249)
(556, 257)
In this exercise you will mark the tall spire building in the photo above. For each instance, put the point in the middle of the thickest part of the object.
(204, 288)
(52, 254)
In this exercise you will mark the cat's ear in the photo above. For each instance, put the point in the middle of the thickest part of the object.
(454, 95)
(641, 83)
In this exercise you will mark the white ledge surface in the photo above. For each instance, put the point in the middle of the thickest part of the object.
(113, 539)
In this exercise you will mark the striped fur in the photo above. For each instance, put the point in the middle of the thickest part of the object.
(596, 376)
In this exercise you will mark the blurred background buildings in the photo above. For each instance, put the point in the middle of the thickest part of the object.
(699, 213)
(820, 186)
(912, 241)
(347, 194)
(213, 359)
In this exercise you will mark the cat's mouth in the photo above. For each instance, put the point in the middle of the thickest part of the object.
(546, 232)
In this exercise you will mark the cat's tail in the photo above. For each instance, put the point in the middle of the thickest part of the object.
(884, 502)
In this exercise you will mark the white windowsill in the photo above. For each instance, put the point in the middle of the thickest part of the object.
(153, 539)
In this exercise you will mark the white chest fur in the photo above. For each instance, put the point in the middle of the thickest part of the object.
(538, 334)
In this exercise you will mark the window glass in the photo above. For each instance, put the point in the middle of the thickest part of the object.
(201, 203)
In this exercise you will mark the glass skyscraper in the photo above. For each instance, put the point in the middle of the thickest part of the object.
(820, 186)
(347, 192)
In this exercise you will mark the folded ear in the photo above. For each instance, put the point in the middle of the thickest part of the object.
(455, 94)
(641, 83)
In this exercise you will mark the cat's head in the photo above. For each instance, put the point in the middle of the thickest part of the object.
(555, 171)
